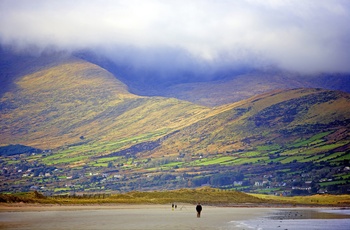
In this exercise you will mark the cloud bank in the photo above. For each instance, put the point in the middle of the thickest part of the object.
(305, 36)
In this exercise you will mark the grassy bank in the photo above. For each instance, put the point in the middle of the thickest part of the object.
(205, 195)
(336, 200)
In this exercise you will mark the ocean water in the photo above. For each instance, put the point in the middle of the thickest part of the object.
(336, 211)
(327, 219)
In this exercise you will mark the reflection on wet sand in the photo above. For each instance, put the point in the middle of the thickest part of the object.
(296, 219)
(293, 214)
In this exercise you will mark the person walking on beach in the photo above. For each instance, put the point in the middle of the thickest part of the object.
(199, 209)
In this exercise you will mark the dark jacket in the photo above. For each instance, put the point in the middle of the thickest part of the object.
(199, 208)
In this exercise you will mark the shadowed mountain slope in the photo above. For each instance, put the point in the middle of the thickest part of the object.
(220, 92)
(216, 88)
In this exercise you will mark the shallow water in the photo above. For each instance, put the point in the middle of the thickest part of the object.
(290, 219)
(305, 224)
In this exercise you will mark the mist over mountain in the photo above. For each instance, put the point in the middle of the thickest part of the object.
(190, 41)
(161, 49)
(201, 85)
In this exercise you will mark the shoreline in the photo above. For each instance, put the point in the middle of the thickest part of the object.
(39, 206)
(28, 207)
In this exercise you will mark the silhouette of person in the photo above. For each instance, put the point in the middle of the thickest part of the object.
(199, 210)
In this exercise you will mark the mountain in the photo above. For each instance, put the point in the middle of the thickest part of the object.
(51, 107)
(78, 102)
(68, 125)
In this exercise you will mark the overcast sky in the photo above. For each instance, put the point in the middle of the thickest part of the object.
(300, 35)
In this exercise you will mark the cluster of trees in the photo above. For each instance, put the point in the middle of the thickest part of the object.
(11, 150)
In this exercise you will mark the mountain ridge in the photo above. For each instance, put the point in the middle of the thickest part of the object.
(216, 89)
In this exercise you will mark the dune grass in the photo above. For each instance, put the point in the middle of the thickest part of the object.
(326, 199)
(205, 195)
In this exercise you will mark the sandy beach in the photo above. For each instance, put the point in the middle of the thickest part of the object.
(129, 217)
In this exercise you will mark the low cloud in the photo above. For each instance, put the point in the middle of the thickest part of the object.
(166, 36)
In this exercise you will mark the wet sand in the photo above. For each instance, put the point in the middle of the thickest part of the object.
(122, 217)
(141, 217)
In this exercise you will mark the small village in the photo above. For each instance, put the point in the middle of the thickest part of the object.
(18, 174)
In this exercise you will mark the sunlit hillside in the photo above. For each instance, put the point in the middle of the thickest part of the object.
(49, 107)
(273, 119)
(79, 102)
